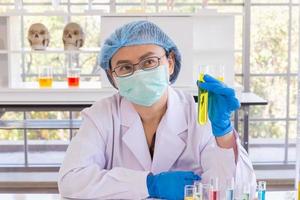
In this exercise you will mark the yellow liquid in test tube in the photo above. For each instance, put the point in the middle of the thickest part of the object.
(202, 103)
(188, 198)
(45, 82)
(299, 190)
(220, 78)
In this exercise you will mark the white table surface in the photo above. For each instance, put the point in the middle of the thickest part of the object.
(60, 95)
(270, 195)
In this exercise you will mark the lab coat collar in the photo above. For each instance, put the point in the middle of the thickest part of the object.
(134, 137)
(168, 145)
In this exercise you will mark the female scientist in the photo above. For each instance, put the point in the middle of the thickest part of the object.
(145, 141)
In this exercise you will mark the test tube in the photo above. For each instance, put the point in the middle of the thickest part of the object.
(261, 190)
(298, 190)
(230, 189)
(198, 190)
(246, 192)
(206, 191)
(189, 192)
(214, 192)
(220, 73)
(202, 98)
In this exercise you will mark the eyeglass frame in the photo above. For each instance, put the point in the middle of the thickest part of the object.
(138, 64)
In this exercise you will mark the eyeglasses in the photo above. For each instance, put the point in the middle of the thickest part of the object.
(127, 69)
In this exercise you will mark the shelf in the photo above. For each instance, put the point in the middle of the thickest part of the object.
(51, 50)
(52, 13)
(61, 85)
(202, 12)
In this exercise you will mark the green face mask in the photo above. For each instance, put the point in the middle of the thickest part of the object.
(144, 87)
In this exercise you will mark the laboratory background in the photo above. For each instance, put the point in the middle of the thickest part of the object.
(49, 72)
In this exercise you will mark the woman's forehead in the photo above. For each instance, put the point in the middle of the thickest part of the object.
(135, 52)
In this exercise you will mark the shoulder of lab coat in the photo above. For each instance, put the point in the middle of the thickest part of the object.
(84, 173)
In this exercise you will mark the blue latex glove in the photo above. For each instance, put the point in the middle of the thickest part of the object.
(170, 185)
(221, 103)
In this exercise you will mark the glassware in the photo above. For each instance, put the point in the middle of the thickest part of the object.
(202, 98)
(214, 192)
(205, 191)
(220, 73)
(189, 192)
(262, 190)
(45, 77)
(198, 190)
(246, 192)
(230, 189)
(74, 77)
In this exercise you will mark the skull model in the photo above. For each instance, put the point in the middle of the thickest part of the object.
(73, 36)
(38, 36)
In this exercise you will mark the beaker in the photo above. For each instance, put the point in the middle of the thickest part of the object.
(45, 77)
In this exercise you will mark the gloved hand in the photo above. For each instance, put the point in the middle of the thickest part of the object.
(170, 185)
(221, 103)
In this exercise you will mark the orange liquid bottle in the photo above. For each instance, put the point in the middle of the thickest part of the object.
(45, 82)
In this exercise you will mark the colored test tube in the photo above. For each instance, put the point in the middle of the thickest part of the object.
(198, 190)
(246, 192)
(230, 189)
(261, 190)
(202, 99)
(214, 192)
(189, 192)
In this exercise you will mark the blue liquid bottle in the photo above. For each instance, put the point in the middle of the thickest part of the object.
(262, 190)
(230, 189)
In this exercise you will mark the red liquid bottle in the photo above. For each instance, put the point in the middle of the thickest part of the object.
(214, 192)
(214, 195)
(73, 81)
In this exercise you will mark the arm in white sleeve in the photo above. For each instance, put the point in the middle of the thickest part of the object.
(83, 174)
(219, 162)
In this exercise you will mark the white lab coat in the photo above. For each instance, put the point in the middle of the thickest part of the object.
(109, 157)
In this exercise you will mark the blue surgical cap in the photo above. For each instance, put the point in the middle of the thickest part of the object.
(138, 33)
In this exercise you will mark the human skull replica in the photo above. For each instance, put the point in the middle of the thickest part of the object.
(73, 36)
(38, 36)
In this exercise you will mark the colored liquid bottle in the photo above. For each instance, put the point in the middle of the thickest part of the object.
(45, 82)
(189, 192)
(198, 190)
(202, 103)
(45, 76)
(262, 190)
(246, 196)
(230, 189)
(73, 77)
(246, 192)
(73, 81)
(214, 192)
(299, 190)
(214, 195)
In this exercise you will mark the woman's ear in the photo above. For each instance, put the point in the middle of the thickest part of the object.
(171, 61)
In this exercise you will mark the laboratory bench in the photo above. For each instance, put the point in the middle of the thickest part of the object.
(270, 195)
(76, 99)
